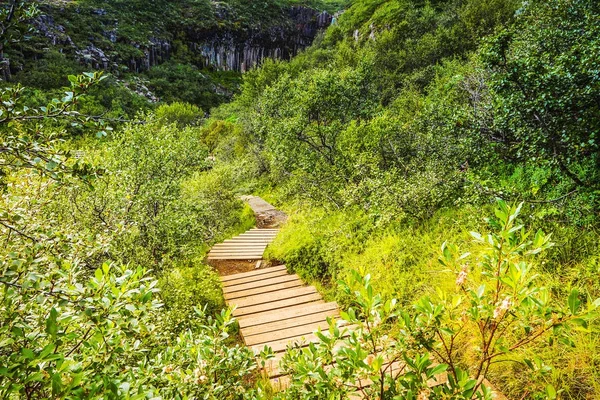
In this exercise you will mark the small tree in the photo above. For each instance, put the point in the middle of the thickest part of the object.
(496, 310)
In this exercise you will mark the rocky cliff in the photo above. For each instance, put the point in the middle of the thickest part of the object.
(109, 44)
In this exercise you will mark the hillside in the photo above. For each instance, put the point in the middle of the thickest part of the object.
(164, 50)
(429, 182)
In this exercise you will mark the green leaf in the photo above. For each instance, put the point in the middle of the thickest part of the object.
(56, 384)
(574, 301)
(550, 392)
(51, 326)
(477, 236)
(438, 369)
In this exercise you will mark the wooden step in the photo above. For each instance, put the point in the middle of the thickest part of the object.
(256, 272)
(241, 258)
(274, 305)
(270, 297)
(243, 255)
(237, 250)
(258, 284)
(260, 233)
(290, 323)
(249, 240)
(236, 253)
(287, 314)
(263, 289)
(240, 246)
(254, 278)
(291, 332)
(301, 341)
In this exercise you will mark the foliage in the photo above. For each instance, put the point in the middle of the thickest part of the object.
(547, 85)
(31, 146)
(14, 15)
(97, 337)
(181, 82)
(82, 319)
(205, 364)
(181, 114)
(68, 334)
(184, 288)
(491, 317)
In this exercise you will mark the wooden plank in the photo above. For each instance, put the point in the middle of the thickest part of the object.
(263, 289)
(263, 233)
(238, 249)
(301, 340)
(240, 254)
(254, 236)
(274, 305)
(264, 244)
(275, 296)
(289, 323)
(253, 278)
(236, 252)
(289, 313)
(240, 246)
(296, 331)
(260, 283)
(249, 240)
(242, 275)
(243, 238)
(241, 258)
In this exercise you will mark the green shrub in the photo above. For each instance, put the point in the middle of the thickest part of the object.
(185, 288)
(181, 114)
(495, 309)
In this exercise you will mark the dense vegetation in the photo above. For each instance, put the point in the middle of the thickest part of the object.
(391, 138)
(154, 50)
(400, 128)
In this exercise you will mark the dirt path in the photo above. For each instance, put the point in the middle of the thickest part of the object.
(267, 216)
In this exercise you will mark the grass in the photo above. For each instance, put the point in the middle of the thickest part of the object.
(323, 246)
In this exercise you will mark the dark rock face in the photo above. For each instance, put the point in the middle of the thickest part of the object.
(157, 52)
(227, 50)
(241, 51)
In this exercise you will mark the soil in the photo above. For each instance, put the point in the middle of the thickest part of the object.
(270, 219)
(267, 216)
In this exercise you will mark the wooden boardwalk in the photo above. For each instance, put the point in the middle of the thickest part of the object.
(249, 245)
(276, 309)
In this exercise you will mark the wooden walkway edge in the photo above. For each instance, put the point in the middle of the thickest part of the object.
(276, 309)
(273, 307)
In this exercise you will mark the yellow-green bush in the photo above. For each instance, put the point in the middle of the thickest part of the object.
(186, 287)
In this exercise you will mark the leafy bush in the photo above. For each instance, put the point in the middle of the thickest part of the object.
(68, 334)
(547, 86)
(181, 114)
(186, 83)
(495, 309)
(185, 288)
(79, 324)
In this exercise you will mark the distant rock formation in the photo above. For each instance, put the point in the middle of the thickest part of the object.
(241, 51)
(226, 49)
